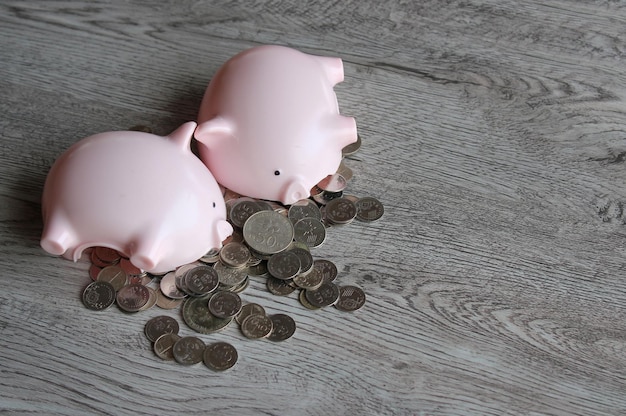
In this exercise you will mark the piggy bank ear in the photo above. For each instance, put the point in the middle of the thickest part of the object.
(182, 136)
(213, 131)
(333, 67)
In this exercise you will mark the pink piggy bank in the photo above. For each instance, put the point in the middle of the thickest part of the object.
(147, 196)
(269, 123)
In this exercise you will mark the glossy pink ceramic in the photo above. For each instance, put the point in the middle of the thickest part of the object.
(269, 123)
(146, 196)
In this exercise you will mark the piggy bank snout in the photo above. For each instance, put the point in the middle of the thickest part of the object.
(295, 190)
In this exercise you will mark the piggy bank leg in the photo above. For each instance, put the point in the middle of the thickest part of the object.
(58, 236)
(147, 252)
(333, 67)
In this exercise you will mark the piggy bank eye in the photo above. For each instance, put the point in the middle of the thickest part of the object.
(276, 172)
(214, 205)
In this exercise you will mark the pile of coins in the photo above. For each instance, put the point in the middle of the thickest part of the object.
(271, 241)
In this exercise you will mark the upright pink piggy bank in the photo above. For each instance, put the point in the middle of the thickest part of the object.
(269, 123)
(146, 196)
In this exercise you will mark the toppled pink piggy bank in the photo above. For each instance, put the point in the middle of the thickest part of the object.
(269, 123)
(147, 196)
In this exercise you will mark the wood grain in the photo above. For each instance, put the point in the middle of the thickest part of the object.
(493, 132)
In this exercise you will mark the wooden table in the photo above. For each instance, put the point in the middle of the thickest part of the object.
(494, 134)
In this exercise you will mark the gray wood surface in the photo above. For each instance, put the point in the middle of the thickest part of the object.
(494, 132)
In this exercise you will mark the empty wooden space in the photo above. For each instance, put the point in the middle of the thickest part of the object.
(494, 133)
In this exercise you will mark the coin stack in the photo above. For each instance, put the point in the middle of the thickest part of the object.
(271, 241)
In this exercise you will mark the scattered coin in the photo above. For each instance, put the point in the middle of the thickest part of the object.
(98, 296)
(309, 281)
(197, 316)
(220, 356)
(305, 208)
(350, 299)
(283, 327)
(160, 325)
(107, 255)
(188, 350)
(114, 275)
(256, 326)
(169, 288)
(305, 302)
(164, 302)
(225, 304)
(152, 298)
(326, 295)
(268, 232)
(163, 346)
(305, 257)
(242, 210)
(230, 276)
(201, 280)
(327, 268)
(333, 183)
(235, 255)
(284, 265)
(310, 231)
(340, 211)
(279, 287)
(249, 309)
(132, 298)
(352, 148)
(369, 209)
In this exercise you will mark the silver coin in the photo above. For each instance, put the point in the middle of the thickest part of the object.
(333, 183)
(98, 296)
(160, 325)
(326, 295)
(279, 287)
(114, 275)
(151, 299)
(249, 309)
(305, 302)
(256, 326)
(283, 327)
(352, 148)
(169, 288)
(132, 298)
(211, 256)
(241, 210)
(188, 350)
(268, 232)
(350, 299)
(235, 254)
(369, 209)
(306, 259)
(240, 287)
(340, 211)
(201, 280)
(305, 208)
(324, 198)
(327, 268)
(164, 302)
(310, 281)
(284, 265)
(310, 231)
(197, 316)
(220, 356)
(230, 276)
(345, 171)
(225, 304)
(163, 346)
